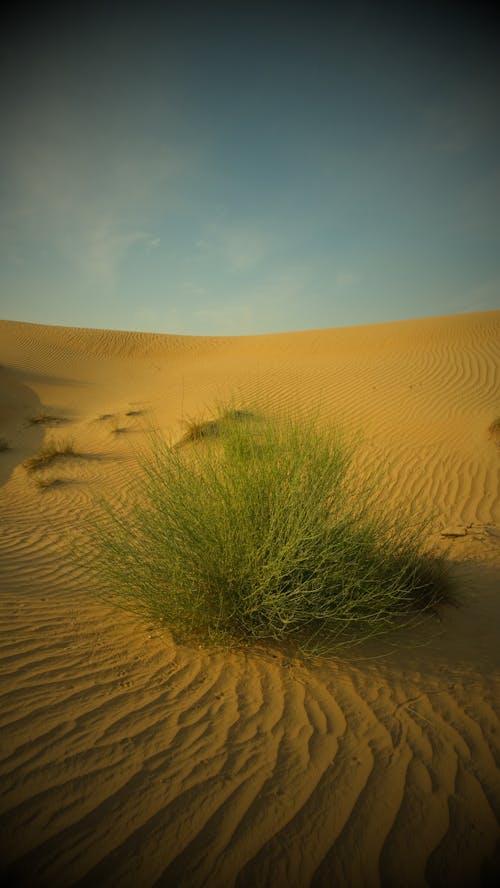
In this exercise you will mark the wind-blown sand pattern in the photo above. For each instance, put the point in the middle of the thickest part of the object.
(130, 759)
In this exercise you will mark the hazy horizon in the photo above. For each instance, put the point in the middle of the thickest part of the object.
(231, 170)
(121, 329)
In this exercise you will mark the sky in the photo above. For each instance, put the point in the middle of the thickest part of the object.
(232, 169)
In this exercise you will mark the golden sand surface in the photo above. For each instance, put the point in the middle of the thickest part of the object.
(129, 759)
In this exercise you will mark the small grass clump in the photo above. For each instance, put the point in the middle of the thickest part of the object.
(47, 454)
(494, 428)
(263, 531)
(48, 483)
(197, 430)
(45, 419)
(118, 429)
(4, 445)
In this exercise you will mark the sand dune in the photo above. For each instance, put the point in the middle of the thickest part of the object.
(128, 759)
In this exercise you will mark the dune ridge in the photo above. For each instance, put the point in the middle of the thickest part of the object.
(129, 758)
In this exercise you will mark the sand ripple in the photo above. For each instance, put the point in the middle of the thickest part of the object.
(127, 759)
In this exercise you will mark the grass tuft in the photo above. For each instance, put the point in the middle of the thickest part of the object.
(45, 419)
(494, 428)
(48, 483)
(118, 429)
(4, 445)
(264, 532)
(196, 430)
(47, 454)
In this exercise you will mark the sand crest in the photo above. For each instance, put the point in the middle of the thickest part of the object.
(128, 759)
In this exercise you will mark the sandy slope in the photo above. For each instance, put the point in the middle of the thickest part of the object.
(126, 759)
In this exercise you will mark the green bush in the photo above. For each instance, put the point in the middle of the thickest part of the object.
(263, 531)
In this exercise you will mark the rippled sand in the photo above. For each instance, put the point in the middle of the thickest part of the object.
(129, 759)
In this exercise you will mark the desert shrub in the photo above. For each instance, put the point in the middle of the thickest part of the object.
(262, 529)
(50, 452)
(48, 483)
(45, 419)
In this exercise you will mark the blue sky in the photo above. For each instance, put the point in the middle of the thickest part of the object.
(246, 168)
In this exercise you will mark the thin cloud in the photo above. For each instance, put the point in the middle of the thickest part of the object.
(228, 318)
(483, 297)
(164, 319)
(103, 250)
(346, 279)
(239, 248)
(191, 289)
(88, 207)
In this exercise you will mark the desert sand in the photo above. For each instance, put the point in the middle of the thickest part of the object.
(128, 758)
